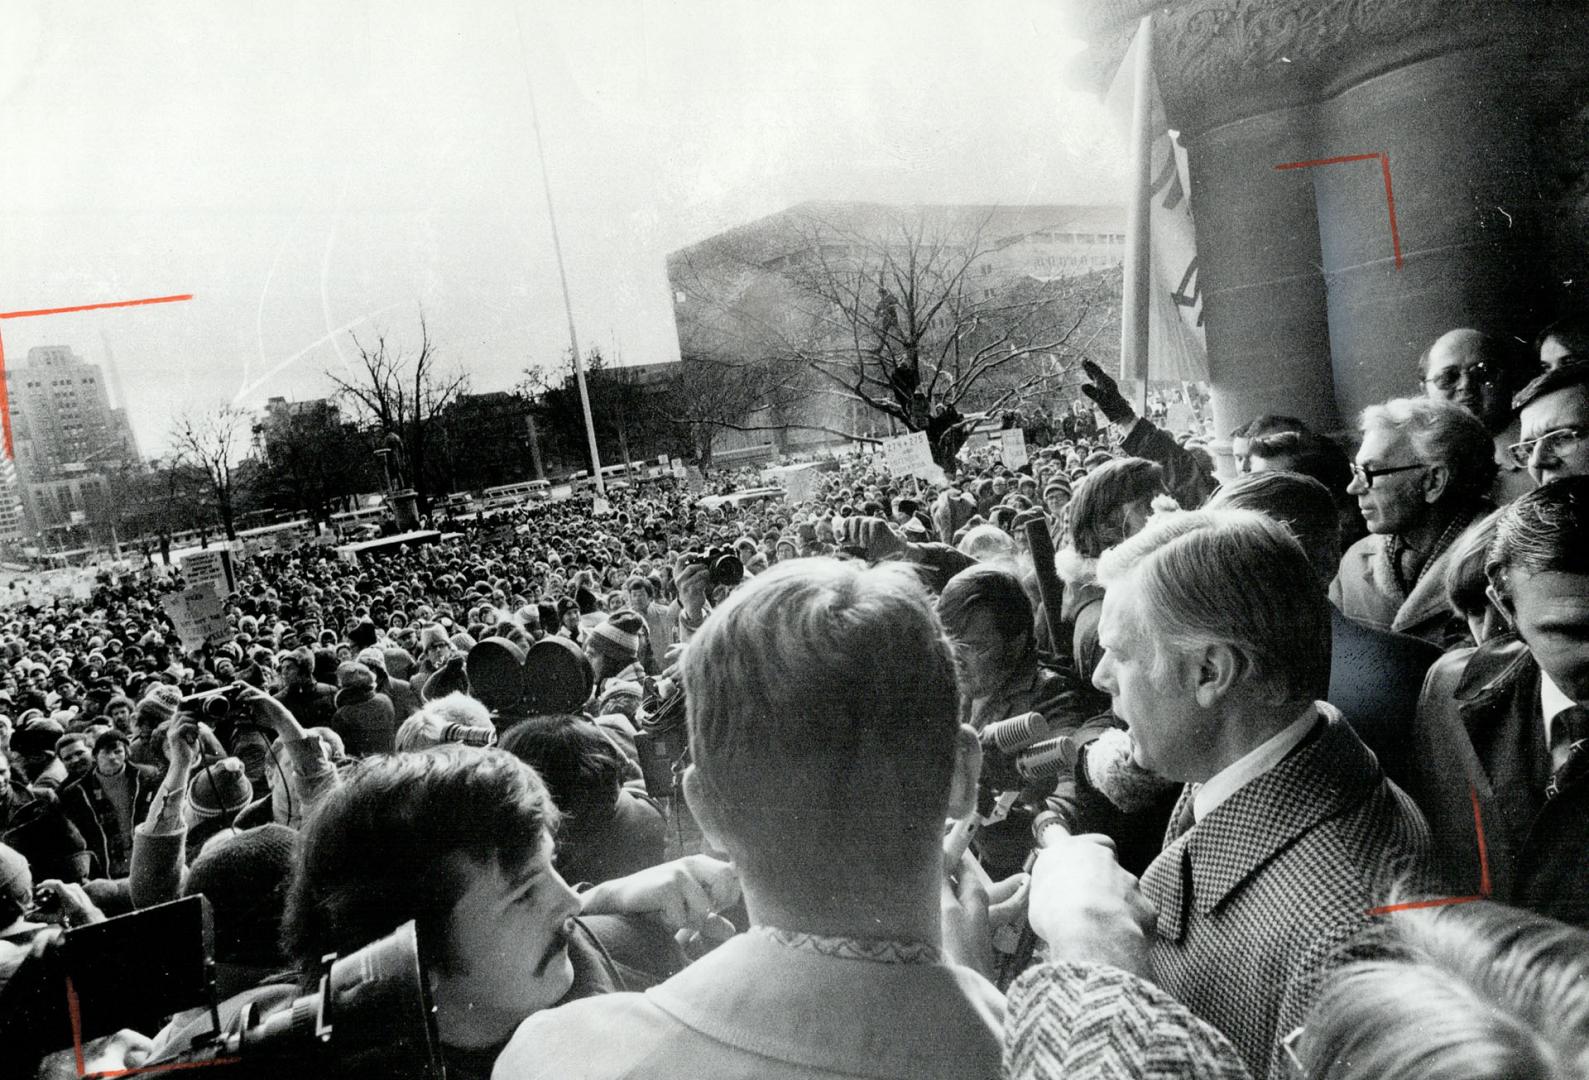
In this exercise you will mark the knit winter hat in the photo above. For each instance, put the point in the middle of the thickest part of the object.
(355, 675)
(158, 705)
(219, 789)
(245, 878)
(618, 638)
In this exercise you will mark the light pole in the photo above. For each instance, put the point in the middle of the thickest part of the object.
(562, 274)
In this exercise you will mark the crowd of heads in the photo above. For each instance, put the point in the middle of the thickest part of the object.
(366, 745)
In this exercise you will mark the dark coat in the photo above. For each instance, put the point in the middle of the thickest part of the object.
(311, 706)
(1185, 474)
(632, 839)
(1478, 748)
(39, 829)
(1375, 676)
(1257, 901)
(365, 720)
(89, 809)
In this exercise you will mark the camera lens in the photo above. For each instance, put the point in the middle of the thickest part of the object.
(217, 707)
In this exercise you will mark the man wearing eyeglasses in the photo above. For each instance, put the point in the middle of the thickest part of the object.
(1554, 414)
(1500, 750)
(1420, 477)
(1477, 371)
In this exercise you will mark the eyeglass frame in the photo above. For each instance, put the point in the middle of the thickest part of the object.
(1483, 372)
(1367, 474)
(1523, 452)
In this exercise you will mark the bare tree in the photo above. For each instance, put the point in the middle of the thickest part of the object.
(214, 441)
(401, 393)
(903, 313)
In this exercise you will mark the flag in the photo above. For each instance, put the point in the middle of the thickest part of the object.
(1177, 349)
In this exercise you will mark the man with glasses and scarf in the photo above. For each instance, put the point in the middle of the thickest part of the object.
(1480, 372)
(1420, 478)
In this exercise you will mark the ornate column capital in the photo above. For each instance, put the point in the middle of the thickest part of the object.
(1221, 60)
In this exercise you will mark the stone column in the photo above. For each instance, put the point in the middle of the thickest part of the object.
(1258, 262)
(1457, 132)
(1305, 308)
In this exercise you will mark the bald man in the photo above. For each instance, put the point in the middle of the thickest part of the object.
(1477, 371)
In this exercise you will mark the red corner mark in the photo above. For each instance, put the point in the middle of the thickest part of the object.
(1390, 198)
(1484, 873)
(5, 398)
(75, 1013)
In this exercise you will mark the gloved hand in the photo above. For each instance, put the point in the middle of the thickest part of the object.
(1105, 393)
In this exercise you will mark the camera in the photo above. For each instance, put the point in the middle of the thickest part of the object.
(722, 565)
(238, 732)
(368, 1015)
(212, 705)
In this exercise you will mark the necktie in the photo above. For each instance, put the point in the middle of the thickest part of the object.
(1571, 728)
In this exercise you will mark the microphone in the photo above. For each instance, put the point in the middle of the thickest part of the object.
(1016, 733)
(1048, 759)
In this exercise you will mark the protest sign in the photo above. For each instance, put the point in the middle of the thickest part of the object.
(909, 455)
(212, 569)
(693, 479)
(196, 612)
(1012, 448)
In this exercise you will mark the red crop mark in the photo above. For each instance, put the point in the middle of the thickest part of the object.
(5, 395)
(1390, 197)
(74, 1011)
(1484, 872)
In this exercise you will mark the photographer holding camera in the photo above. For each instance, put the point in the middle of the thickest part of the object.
(459, 840)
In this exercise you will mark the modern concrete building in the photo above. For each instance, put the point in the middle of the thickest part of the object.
(735, 291)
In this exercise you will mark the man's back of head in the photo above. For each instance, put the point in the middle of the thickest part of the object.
(823, 730)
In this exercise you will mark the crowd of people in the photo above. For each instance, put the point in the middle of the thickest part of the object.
(1106, 765)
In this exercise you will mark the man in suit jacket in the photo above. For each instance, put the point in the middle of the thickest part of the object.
(1501, 740)
(1374, 674)
(1287, 834)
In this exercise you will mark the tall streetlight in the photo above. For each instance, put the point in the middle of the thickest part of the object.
(562, 274)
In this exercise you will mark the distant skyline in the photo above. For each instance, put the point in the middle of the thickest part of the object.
(302, 168)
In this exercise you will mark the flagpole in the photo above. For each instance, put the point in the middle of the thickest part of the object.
(1134, 307)
(562, 275)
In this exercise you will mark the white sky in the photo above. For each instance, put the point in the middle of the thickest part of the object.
(304, 165)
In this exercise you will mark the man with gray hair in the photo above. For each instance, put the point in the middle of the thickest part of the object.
(1287, 833)
(1420, 478)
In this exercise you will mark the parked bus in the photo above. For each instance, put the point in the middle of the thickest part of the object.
(513, 494)
(358, 520)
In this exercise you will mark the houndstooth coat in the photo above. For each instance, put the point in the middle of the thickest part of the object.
(1258, 900)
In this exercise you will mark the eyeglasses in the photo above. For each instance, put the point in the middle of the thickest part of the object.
(1551, 443)
(1481, 373)
(1366, 474)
